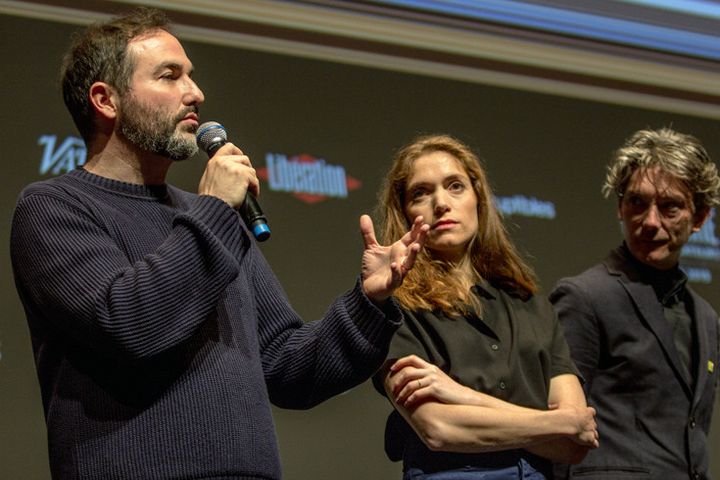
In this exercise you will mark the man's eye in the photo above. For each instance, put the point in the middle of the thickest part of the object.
(635, 202)
(670, 209)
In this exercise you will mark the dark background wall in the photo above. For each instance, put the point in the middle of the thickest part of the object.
(550, 148)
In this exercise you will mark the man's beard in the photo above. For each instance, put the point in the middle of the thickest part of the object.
(152, 130)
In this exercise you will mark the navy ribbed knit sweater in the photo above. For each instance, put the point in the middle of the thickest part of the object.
(161, 335)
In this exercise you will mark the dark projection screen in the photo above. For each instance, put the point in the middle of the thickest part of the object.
(322, 135)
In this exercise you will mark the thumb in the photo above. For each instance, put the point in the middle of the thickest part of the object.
(368, 231)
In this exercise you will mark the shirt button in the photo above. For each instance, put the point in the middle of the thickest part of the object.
(692, 423)
(494, 346)
(502, 385)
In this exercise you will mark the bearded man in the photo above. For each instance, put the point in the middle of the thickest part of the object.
(160, 333)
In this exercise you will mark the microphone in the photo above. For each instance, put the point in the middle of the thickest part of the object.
(210, 137)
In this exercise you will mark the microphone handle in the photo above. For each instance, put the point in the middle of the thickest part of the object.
(250, 210)
(254, 218)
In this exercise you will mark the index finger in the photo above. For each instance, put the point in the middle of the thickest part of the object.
(417, 233)
(409, 361)
(229, 149)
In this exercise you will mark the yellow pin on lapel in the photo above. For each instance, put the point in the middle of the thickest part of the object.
(711, 366)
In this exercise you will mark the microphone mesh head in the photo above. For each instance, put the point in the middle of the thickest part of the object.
(209, 133)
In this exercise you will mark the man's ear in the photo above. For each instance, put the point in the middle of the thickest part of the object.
(104, 100)
(700, 217)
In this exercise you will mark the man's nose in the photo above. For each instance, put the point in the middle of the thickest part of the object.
(193, 95)
(652, 217)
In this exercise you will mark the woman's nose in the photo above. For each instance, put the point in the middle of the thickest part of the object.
(441, 205)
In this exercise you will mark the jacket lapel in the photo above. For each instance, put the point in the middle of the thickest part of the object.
(650, 311)
(703, 354)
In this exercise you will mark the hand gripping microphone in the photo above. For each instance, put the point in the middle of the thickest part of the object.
(210, 137)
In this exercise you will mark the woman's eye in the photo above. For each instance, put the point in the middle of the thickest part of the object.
(417, 194)
(457, 186)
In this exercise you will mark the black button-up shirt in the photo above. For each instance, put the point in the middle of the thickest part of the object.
(510, 350)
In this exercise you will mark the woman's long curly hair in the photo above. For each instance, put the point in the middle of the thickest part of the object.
(431, 284)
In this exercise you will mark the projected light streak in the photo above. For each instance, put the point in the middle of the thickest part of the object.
(581, 24)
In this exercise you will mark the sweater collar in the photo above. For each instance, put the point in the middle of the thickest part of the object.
(150, 192)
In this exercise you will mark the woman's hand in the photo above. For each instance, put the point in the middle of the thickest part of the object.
(413, 380)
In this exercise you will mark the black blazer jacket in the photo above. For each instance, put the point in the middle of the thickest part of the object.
(652, 423)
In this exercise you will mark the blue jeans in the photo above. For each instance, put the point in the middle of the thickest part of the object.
(521, 471)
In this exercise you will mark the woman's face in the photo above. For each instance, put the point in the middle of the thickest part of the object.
(440, 190)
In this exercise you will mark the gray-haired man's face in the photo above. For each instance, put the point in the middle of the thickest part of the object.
(658, 217)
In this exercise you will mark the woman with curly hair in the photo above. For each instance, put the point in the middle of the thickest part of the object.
(479, 374)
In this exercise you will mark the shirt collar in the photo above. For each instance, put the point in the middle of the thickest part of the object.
(484, 289)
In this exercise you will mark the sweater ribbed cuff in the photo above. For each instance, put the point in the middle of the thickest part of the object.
(222, 220)
(377, 324)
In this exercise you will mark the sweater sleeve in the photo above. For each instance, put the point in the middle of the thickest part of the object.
(306, 363)
(76, 281)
